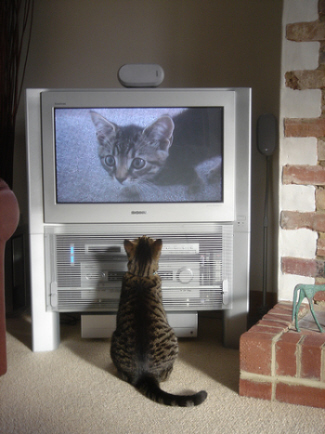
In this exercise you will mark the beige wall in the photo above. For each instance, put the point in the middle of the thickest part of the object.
(199, 43)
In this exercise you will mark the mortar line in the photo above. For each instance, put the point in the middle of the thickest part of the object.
(260, 378)
(273, 362)
(298, 356)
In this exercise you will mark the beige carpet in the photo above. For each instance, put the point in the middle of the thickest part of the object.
(74, 390)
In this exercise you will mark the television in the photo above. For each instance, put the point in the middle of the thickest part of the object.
(125, 156)
(109, 164)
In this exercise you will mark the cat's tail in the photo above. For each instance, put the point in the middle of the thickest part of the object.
(149, 387)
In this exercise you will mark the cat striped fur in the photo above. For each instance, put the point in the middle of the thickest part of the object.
(144, 347)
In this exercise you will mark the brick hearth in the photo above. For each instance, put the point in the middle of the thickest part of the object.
(279, 364)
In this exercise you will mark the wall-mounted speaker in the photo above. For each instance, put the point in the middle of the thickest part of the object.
(267, 134)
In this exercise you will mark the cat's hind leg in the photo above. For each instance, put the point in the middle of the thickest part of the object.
(165, 374)
(124, 376)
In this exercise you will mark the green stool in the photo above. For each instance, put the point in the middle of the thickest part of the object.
(306, 291)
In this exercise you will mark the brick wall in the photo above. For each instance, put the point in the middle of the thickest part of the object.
(276, 362)
(279, 364)
(300, 129)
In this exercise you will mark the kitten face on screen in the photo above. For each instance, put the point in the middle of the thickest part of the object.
(167, 160)
(131, 154)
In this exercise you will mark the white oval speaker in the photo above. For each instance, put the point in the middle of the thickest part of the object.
(141, 75)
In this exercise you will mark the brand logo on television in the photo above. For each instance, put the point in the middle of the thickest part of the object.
(138, 212)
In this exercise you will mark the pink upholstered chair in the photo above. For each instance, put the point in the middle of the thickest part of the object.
(9, 217)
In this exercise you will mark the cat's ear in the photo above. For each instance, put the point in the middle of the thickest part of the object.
(157, 246)
(161, 132)
(104, 128)
(128, 246)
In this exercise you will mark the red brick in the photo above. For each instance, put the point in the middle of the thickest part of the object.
(308, 31)
(303, 175)
(311, 353)
(320, 250)
(297, 220)
(256, 358)
(256, 352)
(262, 327)
(301, 395)
(301, 80)
(320, 247)
(284, 304)
(319, 296)
(321, 149)
(281, 308)
(284, 318)
(277, 315)
(305, 332)
(302, 267)
(255, 389)
(304, 127)
(320, 199)
(285, 358)
(271, 323)
(281, 320)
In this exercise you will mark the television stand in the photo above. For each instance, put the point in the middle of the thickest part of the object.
(78, 220)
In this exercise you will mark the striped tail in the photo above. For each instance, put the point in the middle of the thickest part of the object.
(149, 387)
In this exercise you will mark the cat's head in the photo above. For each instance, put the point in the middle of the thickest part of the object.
(143, 255)
(131, 153)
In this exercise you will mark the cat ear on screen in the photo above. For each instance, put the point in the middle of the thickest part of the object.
(160, 129)
(103, 126)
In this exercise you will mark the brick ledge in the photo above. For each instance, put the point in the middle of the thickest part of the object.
(279, 364)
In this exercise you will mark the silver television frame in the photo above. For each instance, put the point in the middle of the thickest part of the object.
(45, 324)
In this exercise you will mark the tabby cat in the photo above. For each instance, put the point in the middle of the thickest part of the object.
(144, 346)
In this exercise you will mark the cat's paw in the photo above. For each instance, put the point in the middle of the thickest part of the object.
(195, 187)
(130, 193)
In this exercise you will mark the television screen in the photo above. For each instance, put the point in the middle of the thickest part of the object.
(140, 155)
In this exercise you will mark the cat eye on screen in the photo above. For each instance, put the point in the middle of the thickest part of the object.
(138, 163)
(109, 161)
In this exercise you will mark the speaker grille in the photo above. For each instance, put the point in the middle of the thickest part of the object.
(84, 271)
